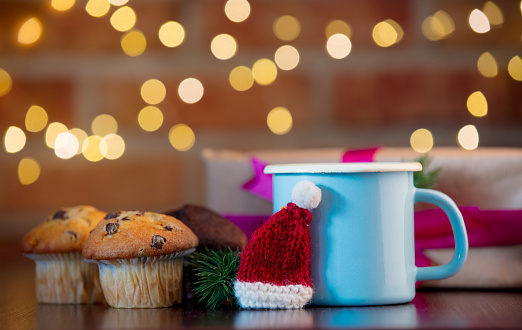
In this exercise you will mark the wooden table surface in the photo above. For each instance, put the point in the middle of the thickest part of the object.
(430, 309)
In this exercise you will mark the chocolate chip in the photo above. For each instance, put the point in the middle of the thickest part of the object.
(125, 218)
(112, 227)
(74, 236)
(91, 231)
(112, 215)
(140, 213)
(61, 214)
(158, 241)
(169, 228)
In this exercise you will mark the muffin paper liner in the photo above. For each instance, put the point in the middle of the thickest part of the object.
(65, 278)
(143, 282)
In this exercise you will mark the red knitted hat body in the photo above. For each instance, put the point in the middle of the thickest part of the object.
(279, 251)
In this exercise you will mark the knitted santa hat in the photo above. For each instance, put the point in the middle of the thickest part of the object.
(274, 271)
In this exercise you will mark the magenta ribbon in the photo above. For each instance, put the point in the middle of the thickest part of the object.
(432, 227)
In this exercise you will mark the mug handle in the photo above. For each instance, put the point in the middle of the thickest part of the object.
(459, 232)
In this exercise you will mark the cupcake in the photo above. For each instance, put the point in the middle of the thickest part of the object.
(62, 275)
(140, 258)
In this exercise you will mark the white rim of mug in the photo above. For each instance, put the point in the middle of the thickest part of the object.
(343, 167)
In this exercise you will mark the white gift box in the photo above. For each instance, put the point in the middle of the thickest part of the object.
(488, 178)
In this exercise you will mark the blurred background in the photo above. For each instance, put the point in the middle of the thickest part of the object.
(111, 102)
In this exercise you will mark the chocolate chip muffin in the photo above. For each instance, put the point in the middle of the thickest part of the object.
(140, 258)
(212, 230)
(62, 275)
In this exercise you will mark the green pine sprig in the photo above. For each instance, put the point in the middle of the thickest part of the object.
(215, 272)
(425, 179)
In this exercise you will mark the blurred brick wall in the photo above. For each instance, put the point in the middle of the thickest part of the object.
(375, 96)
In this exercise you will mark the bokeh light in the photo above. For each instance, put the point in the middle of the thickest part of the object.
(104, 124)
(279, 120)
(241, 78)
(487, 65)
(493, 13)
(171, 34)
(338, 27)
(66, 145)
(118, 2)
(421, 140)
(438, 26)
(153, 91)
(477, 104)
(286, 28)
(338, 46)
(190, 90)
(6, 83)
(97, 8)
(28, 171)
(133, 43)
(150, 118)
(123, 19)
(387, 33)
(223, 46)
(515, 68)
(468, 137)
(237, 10)
(478, 21)
(30, 31)
(81, 136)
(181, 137)
(264, 71)
(91, 148)
(62, 5)
(36, 119)
(112, 146)
(52, 132)
(286, 57)
(14, 139)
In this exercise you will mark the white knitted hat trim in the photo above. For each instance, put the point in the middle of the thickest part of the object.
(265, 295)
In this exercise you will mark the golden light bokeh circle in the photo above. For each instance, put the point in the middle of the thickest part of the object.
(487, 65)
(150, 118)
(30, 31)
(171, 34)
(123, 19)
(92, 149)
(153, 91)
(338, 46)
(264, 72)
(241, 78)
(515, 68)
(223, 46)
(468, 137)
(286, 28)
(387, 33)
(479, 22)
(338, 27)
(421, 140)
(181, 137)
(190, 90)
(237, 10)
(62, 5)
(36, 119)
(112, 146)
(279, 120)
(477, 104)
(28, 171)
(104, 124)
(66, 145)
(287, 57)
(97, 8)
(133, 43)
(52, 132)
(81, 136)
(6, 83)
(14, 139)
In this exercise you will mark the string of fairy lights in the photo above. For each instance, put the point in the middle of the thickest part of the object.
(104, 141)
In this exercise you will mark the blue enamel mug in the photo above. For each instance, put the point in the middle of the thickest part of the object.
(362, 234)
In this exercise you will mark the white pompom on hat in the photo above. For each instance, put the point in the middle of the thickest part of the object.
(306, 194)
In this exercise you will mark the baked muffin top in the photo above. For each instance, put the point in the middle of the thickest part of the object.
(63, 231)
(131, 234)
